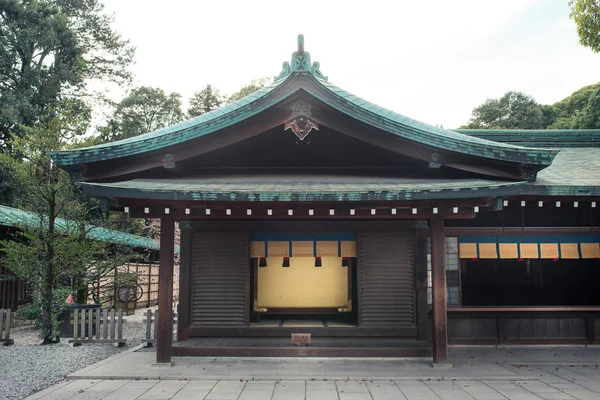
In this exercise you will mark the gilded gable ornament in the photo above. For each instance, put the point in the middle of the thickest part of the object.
(301, 123)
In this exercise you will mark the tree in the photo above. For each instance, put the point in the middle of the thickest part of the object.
(210, 98)
(571, 106)
(589, 117)
(250, 88)
(49, 49)
(146, 109)
(51, 253)
(586, 14)
(514, 110)
(206, 100)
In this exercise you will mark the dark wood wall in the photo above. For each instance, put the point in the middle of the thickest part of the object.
(386, 279)
(215, 276)
(219, 287)
(523, 326)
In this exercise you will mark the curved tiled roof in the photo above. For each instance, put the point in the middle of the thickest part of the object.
(344, 101)
(303, 188)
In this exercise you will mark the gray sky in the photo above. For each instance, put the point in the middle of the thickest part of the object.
(431, 60)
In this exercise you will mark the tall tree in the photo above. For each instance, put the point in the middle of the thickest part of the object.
(146, 109)
(49, 49)
(514, 110)
(206, 100)
(49, 254)
(586, 14)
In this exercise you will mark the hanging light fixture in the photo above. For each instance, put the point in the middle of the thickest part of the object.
(318, 262)
(286, 262)
(345, 261)
(262, 262)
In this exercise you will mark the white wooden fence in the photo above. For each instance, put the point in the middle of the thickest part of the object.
(98, 326)
(152, 327)
(6, 321)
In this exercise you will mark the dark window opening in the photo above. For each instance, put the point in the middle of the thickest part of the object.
(543, 282)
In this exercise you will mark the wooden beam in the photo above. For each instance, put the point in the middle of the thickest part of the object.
(165, 291)
(528, 230)
(303, 205)
(438, 272)
(260, 212)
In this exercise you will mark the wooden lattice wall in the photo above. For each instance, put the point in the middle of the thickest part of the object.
(147, 278)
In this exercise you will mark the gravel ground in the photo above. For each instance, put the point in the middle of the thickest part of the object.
(26, 367)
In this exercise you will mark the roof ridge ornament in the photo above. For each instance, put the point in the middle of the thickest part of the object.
(300, 64)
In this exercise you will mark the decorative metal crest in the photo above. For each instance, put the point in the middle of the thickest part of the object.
(301, 64)
(301, 123)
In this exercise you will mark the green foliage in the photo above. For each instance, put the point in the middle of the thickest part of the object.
(206, 100)
(514, 110)
(210, 98)
(517, 111)
(589, 117)
(586, 14)
(47, 255)
(571, 106)
(146, 109)
(250, 88)
(30, 311)
(49, 49)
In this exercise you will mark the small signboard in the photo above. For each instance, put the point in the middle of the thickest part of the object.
(301, 339)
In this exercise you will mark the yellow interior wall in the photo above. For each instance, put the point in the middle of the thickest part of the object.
(302, 284)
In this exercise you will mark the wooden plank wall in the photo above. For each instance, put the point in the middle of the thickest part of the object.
(147, 278)
(13, 291)
(522, 328)
(387, 293)
(219, 279)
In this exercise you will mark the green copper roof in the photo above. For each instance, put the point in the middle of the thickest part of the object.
(302, 188)
(552, 138)
(21, 219)
(574, 172)
(319, 87)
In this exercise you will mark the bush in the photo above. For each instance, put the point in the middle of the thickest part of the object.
(30, 311)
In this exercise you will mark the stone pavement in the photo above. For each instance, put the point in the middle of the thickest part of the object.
(514, 373)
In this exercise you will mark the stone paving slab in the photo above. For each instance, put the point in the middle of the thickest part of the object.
(507, 363)
(572, 386)
(511, 373)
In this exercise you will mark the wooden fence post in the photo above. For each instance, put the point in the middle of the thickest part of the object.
(5, 326)
(104, 318)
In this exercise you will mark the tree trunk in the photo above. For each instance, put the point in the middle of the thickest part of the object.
(48, 276)
(81, 292)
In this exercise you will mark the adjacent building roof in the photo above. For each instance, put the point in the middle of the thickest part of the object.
(574, 172)
(548, 138)
(13, 217)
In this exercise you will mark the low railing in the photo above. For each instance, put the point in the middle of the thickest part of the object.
(152, 327)
(6, 322)
(98, 326)
(524, 325)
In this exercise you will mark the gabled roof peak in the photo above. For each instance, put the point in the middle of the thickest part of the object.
(300, 64)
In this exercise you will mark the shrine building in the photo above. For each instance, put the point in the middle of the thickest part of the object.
(305, 209)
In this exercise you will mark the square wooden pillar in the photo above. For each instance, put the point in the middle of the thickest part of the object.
(164, 341)
(438, 273)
